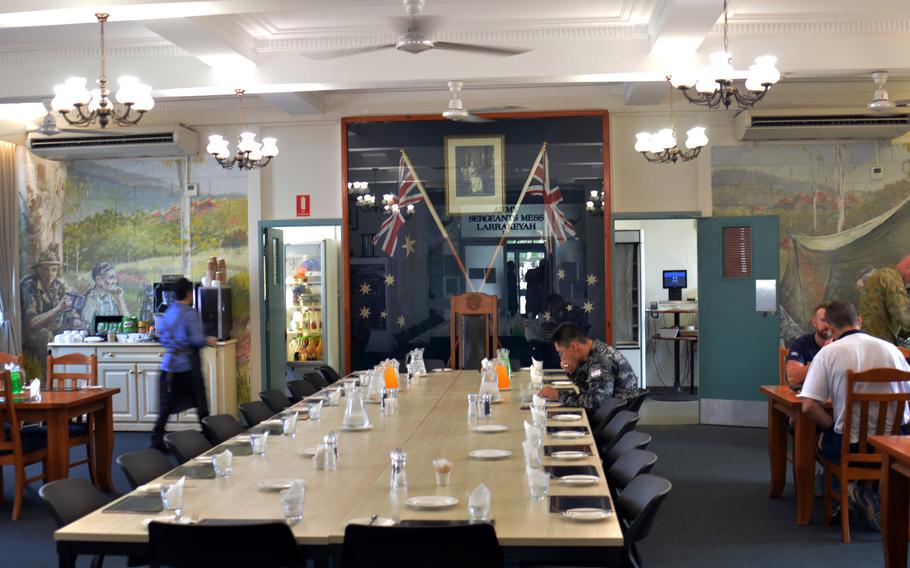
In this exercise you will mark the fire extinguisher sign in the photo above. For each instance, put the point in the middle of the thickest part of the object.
(303, 205)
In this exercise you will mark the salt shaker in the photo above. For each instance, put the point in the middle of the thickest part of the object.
(399, 477)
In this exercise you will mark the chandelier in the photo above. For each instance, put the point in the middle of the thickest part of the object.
(81, 107)
(714, 86)
(595, 203)
(250, 153)
(390, 205)
(360, 191)
(661, 147)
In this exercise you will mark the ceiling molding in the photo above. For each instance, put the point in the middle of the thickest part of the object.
(228, 102)
(810, 24)
(479, 93)
(30, 55)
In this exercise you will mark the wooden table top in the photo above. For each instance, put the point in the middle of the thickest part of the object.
(896, 446)
(51, 399)
(782, 393)
(432, 423)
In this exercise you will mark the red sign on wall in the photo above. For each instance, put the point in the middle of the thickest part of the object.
(303, 205)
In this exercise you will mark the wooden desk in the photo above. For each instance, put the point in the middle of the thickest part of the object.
(677, 385)
(431, 423)
(895, 496)
(56, 408)
(783, 404)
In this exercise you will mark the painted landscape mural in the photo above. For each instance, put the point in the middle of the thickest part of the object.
(838, 219)
(97, 234)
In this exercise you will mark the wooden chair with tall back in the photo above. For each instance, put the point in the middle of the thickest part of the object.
(10, 358)
(782, 353)
(18, 449)
(860, 462)
(61, 377)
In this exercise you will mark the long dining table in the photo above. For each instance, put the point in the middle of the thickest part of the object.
(431, 423)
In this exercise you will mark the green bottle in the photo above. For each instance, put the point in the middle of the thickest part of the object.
(16, 380)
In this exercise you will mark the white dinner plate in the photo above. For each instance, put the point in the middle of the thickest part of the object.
(568, 434)
(151, 488)
(490, 428)
(241, 439)
(562, 384)
(377, 522)
(578, 480)
(431, 502)
(357, 428)
(569, 455)
(566, 417)
(270, 423)
(275, 484)
(307, 452)
(586, 515)
(490, 454)
(184, 520)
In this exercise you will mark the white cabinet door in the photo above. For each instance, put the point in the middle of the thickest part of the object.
(148, 391)
(122, 376)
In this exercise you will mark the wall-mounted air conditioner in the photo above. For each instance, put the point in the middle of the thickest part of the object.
(166, 142)
(749, 125)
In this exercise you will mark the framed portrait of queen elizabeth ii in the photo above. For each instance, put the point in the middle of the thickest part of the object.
(475, 174)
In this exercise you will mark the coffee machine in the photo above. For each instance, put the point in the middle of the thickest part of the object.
(214, 307)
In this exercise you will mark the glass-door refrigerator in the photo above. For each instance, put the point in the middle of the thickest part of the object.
(304, 301)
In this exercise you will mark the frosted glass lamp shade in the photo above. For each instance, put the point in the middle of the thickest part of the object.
(247, 142)
(643, 142)
(696, 138)
(269, 147)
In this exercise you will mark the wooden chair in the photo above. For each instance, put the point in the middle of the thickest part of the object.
(860, 462)
(60, 377)
(10, 358)
(472, 304)
(782, 353)
(18, 449)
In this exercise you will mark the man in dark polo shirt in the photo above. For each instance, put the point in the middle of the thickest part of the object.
(803, 349)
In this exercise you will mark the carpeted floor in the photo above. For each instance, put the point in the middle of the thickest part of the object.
(718, 514)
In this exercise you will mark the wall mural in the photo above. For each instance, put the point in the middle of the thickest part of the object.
(838, 219)
(95, 236)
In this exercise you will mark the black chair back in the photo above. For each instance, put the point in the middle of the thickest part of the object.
(71, 499)
(300, 389)
(629, 466)
(624, 421)
(222, 427)
(456, 546)
(330, 374)
(637, 507)
(639, 399)
(316, 379)
(142, 466)
(433, 364)
(275, 400)
(255, 412)
(186, 444)
(606, 411)
(264, 545)
(633, 440)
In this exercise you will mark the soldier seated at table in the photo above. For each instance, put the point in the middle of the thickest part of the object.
(598, 370)
(804, 349)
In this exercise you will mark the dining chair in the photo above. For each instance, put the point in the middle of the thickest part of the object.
(624, 421)
(300, 389)
(782, 353)
(860, 461)
(222, 427)
(606, 411)
(71, 499)
(634, 403)
(255, 412)
(629, 466)
(329, 374)
(10, 358)
(226, 545)
(630, 441)
(60, 376)
(416, 546)
(275, 400)
(637, 507)
(18, 447)
(186, 444)
(316, 379)
(142, 466)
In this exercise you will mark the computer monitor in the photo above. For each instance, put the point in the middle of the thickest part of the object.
(674, 282)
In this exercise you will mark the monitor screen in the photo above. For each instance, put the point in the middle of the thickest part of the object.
(675, 279)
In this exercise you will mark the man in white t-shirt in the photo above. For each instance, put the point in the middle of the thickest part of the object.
(827, 379)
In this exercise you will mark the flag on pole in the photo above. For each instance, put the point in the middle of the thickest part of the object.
(408, 194)
(556, 224)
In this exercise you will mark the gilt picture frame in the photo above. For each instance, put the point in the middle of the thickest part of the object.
(475, 174)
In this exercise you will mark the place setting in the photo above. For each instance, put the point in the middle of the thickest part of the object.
(582, 508)
(567, 453)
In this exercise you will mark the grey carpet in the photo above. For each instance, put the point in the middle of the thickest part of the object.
(718, 514)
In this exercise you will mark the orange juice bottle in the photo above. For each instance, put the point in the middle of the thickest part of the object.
(502, 374)
(391, 377)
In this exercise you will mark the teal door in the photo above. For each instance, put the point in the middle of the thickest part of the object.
(738, 317)
(274, 359)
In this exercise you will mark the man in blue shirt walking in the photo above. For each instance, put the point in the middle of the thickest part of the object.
(182, 386)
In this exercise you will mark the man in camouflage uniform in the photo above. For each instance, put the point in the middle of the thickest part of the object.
(598, 371)
(884, 304)
(46, 307)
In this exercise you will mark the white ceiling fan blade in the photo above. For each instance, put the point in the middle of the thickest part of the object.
(481, 49)
(336, 53)
(474, 118)
(498, 108)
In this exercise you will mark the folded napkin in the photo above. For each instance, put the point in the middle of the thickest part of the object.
(295, 492)
(538, 417)
(480, 497)
(538, 402)
(223, 460)
(34, 388)
(174, 493)
(535, 364)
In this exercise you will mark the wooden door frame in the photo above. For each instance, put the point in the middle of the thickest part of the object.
(607, 208)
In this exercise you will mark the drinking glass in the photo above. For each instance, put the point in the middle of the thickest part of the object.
(389, 403)
(478, 511)
(292, 505)
(526, 392)
(289, 424)
(174, 503)
(538, 484)
(533, 457)
(222, 465)
(314, 407)
(258, 442)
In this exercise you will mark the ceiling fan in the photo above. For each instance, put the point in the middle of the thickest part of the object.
(48, 126)
(414, 38)
(880, 101)
(458, 113)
